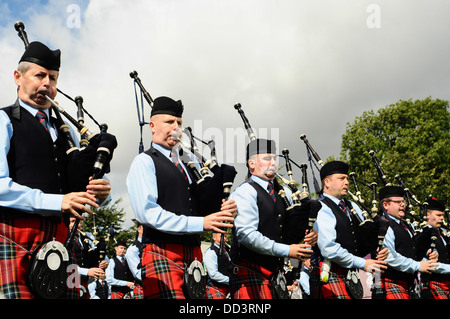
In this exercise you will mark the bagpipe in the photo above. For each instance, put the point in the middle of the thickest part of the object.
(424, 236)
(372, 227)
(301, 211)
(416, 220)
(47, 273)
(212, 180)
(213, 184)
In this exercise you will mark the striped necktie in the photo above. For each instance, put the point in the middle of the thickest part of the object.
(405, 227)
(42, 117)
(271, 191)
(176, 161)
(343, 207)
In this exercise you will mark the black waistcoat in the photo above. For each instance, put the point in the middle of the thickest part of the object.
(271, 219)
(34, 160)
(223, 262)
(345, 229)
(174, 195)
(101, 289)
(444, 257)
(423, 244)
(405, 246)
(121, 272)
(443, 249)
(80, 252)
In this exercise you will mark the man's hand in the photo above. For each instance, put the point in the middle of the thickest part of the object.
(374, 265)
(100, 188)
(311, 237)
(219, 220)
(77, 201)
(97, 273)
(382, 253)
(300, 251)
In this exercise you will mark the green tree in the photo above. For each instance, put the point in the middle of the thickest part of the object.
(412, 141)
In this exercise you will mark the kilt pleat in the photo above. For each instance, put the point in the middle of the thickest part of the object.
(334, 288)
(215, 292)
(251, 281)
(436, 290)
(163, 269)
(20, 236)
(395, 289)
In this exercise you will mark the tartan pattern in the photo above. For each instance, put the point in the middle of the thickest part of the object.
(394, 289)
(436, 290)
(334, 288)
(250, 282)
(28, 231)
(163, 269)
(138, 292)
(117, 294)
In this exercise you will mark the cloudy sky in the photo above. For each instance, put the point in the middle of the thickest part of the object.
(296, 66)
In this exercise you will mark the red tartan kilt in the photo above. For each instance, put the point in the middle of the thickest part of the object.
(137, 293)
(28, 231)
(395, 289)
(251, 282)
(335, 287)
(439, 289)
(163, 269)
(215, 292)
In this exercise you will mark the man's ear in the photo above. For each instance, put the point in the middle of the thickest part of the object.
(17, 77)
(152, 126)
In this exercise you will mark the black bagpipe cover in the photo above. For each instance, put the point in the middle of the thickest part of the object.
(96, 255)
(81, 162)
(367, 237)
(296, 220)
(211, 190)
(423, 241)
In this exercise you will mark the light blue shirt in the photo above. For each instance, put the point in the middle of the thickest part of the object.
(325, 226)
(81, 270)
(396, 260)
(247, 220)
(143, 193)
(93, 285)
(14, 195)
(133, 260)
(109, 273)
(304, 280)
(210, 261)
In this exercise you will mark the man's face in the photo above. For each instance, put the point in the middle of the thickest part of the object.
(72, 223)
(216, 238)
(435, 218)
(120, 250)
(34, 84)
(395, 206)
(166, 130)
(336, 185)
(263, 165)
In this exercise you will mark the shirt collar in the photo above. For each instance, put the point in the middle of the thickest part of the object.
(262, 182)
(33, 111)
(334, 199)
(166, 152)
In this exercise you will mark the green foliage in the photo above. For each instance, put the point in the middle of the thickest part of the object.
(410, 138)
(107, 217)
